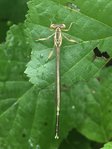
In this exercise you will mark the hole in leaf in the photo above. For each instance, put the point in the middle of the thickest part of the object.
(104, 54)
(98, 53)
(109, 63)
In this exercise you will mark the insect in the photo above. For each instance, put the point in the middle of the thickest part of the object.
(57, 43)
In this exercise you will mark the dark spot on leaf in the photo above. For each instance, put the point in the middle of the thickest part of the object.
(23, 135)
(98, 78)
(65, 87)
(45, 123)
(109, 111)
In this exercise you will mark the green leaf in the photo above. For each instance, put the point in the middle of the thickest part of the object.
(76, 59)
(13, 84)
(89, 114)
(14, 55)
(107, 145)
(92, 111)
(102, 14)
(13, 58)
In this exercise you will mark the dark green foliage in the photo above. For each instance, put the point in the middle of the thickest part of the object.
(12, 11)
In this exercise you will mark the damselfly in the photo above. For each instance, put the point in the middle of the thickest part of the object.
(57, 43)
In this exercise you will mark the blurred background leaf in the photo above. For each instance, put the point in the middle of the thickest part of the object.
(11, 12)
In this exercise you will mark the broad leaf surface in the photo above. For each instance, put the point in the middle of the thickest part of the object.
(76, 60)
(13, 83)
(100, 10)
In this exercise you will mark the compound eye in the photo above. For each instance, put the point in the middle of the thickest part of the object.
(53, 26)
(63, 26)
